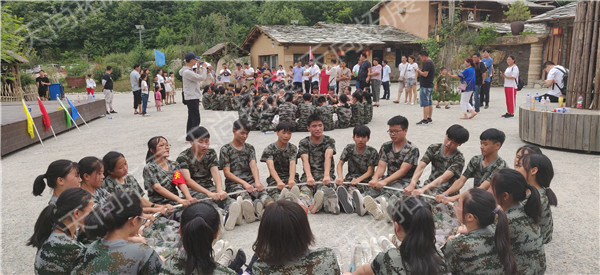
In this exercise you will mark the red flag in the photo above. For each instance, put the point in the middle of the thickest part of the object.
(45, 116)
(178, 178)
(310, 56)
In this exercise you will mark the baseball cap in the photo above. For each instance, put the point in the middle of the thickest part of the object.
(190, 55)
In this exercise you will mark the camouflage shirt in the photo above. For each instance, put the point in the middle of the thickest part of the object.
(154, 174)
(315, 262)
(118, 257)
(316, 156)
(409, 153)
(480, 174)
(358, 164)
(441, 163)
(304, 111)
(344, 114)
(100, 196)
(238, 162)
(199, 169)
(266, 119)
(57, 255)
(287, 113)
(473, 253)
(526, 241)
(237, 102)
(111, 185)
(327, 116)
(546, 223)
(281, 160)
(244, 113)
(391, 263)
(358, 114)
(207, 101)
(368, 112)
(175, 265)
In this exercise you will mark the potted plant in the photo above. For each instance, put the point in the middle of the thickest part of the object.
(517, 13)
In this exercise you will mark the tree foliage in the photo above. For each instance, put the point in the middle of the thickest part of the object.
(12, 29)
(517, 11)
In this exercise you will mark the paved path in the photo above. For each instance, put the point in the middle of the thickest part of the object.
(574, 248)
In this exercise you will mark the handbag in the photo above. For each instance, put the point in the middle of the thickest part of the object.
(463, 85)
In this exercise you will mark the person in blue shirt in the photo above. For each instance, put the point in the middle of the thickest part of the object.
(297, 72)
(467, 76)
(485, 88)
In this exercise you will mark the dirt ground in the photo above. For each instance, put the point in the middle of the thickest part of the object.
(574, 247)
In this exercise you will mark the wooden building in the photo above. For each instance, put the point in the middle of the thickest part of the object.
(559, 27)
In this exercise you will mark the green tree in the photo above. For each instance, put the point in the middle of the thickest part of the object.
(279, 13)
(517, 11)
(12, 30)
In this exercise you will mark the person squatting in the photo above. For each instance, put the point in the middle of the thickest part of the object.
(93, 222)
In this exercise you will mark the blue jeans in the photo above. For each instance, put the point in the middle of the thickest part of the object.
(425, 97)
(144, 103)
(357, 84)
(475, 98)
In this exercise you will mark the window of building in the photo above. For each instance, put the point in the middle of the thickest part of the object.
(269, 59)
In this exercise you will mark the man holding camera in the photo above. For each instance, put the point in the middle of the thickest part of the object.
(191, 89)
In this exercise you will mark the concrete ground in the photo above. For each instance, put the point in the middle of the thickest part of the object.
(574, 247)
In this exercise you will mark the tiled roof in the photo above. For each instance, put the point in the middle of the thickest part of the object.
(505, 27)
(561, 13)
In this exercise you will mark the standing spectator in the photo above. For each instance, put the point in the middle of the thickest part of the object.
(266, 73)
(168, 88)
(363, 71)
(510, 75)
(480, 75)
(143, 83)
(42, 82)
(485, 88)
(385, 79)
(161, 82)
(344, 76)
(402, 67)
(225, 74)
(238, 75)
(324, 80)
(554, 80)
(314, 74)
(134, 79)
(210, 75)
(281, 75)
(426, 81)
(411, 81)
(191, 89)
(90, 85)
(375, 79)
(332, 72)
(355, 70)
(306, 78)
(468, 77)
(249, 75)
(173, 89)
(297, 72)
(107, 88)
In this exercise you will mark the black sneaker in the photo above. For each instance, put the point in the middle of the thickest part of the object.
(344, 200)
(509, 115)
(505, 115)
(108, 113)
(429, 120)
(422, 122)
(239, 261)
(113, 112)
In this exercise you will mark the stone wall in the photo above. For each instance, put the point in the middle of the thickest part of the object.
(501, 52)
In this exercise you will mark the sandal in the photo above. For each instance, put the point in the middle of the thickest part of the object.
(396, 101)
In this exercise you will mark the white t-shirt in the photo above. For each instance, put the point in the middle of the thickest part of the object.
(161, 79)
(355, 69)
(333, 72)
(225, 76)
(402, 70)
(305, 77)
(385, 77)
(556, 75)
(514, 72)
(250, 72)
(281, 73)
(144, 87)
(316, 71)
(411, 70)
(90, 83)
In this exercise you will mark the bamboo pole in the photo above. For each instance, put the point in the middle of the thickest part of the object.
(577, 52)
(587, 101)
(586, 50)
(596, 103)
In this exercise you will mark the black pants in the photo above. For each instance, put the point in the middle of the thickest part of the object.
(386, 90)
(484, 94)
(163, 93)
(193, 119)
(307, 86)
(314, 85)
(297, 86)
(552, 98)
(364, 84)
(137, 98)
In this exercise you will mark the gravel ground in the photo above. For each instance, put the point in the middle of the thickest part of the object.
(574, 248)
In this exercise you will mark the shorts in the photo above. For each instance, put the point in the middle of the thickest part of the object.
(425, 97)
(410, 82)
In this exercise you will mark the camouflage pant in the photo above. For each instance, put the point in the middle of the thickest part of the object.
(274, 193)
(442, 91)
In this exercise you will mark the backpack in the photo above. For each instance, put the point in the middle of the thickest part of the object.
(519, 81)
(565, 78)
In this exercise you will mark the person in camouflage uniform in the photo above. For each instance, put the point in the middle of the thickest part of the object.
(208, 98)
(175, 265)
(57, 255)
(399, 154)
(360, 157)
(91, 171)
(313, 151)
(281, 157)
(326, 113)
(344, 113)
(358, 114)
(220, 103)
(290, 221)
(305, 110)
(229, 101)
(298, 97)
(447, 163)
(442, 88)
(245, 109)
(368, 107)
(287, 111)
(481, 168)
(477, 251)
(266, 115)
(255, 114)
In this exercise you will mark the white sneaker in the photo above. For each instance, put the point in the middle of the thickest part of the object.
(318, 202)
(235, 213)
(259, 208)
(248, 211)
(357, 258)
(345, 200)
(358, 202)
(295, 190)
(218, 249)
(395, 240)
(373, 208)
(383, 205)
(385, 243)
(283, 193)
(226, 257)
(331, 202)
(366, 252)
(375, 248)
(240, 218)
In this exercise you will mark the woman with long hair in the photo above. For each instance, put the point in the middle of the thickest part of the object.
(61, 175)
(467, 76)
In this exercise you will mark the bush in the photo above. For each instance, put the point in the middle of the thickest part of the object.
(78, 70)
(517, 11)
(177, 75)
(486, 35)
(26, 80)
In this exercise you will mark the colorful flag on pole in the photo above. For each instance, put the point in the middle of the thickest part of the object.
(66, 114)
(45, 117)
(310, 55)
(29, 120)
(159, 57)
(74, 112)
